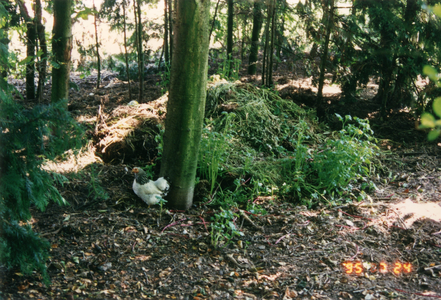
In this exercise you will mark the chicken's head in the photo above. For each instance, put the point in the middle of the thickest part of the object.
(140, 175)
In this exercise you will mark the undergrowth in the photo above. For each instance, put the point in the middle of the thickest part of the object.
(255, 144)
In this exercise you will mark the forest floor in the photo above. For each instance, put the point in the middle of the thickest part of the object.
(115, 247)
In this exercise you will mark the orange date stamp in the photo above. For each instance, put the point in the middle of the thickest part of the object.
(360, 268)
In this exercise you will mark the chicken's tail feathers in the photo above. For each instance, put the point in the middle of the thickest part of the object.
(162, 184)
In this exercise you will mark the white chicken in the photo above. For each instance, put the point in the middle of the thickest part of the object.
(148, 190)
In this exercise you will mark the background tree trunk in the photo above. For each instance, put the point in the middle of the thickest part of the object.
(230, 25)
(265, 48)
(30, 54)
(61, 49)
(30, 50)
(140, 53)
(97, 47)
(170, 26)
(269, 80)
(125, 48)
(166, 44)
(186, 104)
(255, 36)
(42, 62)
(214, 19)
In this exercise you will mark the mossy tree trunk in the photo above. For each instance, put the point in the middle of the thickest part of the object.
(255, 37)
(61, 49)
(186, 104)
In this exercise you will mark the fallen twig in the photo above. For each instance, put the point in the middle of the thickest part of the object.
(172, 224)
(243, 214)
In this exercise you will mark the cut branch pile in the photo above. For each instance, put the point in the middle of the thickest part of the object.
(126, 130)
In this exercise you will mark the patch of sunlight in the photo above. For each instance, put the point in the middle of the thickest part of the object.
(86, 119)
(331, 90)
(73, 162)
(409, 211)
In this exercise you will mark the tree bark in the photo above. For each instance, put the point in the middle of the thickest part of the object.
(30, 50)
(230, 24)
(265, 48)
(255, 36)
(269, 80)
(186, 104)
(125, 48)
(140, 53)
(166, 44)
(61, 49)
(214, 19)
(42, 63)
(170, 26)
(30, 54)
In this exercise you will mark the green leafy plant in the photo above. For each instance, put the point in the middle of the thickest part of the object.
(223, 227)
(150, 169)
(428, 120)
(229, 68)
(95, 188)
(213, 150)
(345, 158)
(321, 173)
(165, 78)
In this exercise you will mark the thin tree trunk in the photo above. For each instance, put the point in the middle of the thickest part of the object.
(125, 48)
(280, 33)
(265, 49)
(269, 80)
(230, 25)
(30, 50)
(4, 40)
(244, 34)
(61, 48)
(97, 48)
(42, 63)
(4, 67)
(186, 104)
(30, 66)
(170, 26)
(136, 33)
(166, 51)
(255, 36)
(324, 58)
(140, 54)
(214, 19)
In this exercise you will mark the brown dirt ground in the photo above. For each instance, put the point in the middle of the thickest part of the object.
(119, 248)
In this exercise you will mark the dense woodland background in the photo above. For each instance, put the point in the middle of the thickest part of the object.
(270, 130)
